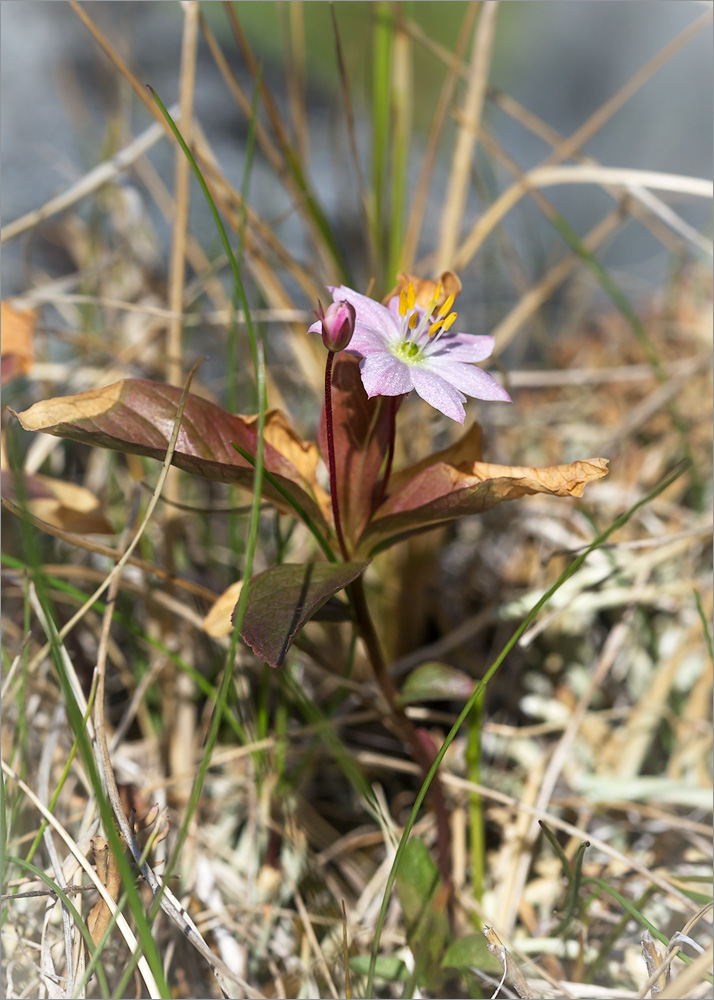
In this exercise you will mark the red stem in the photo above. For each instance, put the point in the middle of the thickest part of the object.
(331, 455)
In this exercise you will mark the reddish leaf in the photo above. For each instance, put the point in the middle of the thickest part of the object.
(136, 416)
(361, 434)
(443, 492)
(461, 454)
(283, 598)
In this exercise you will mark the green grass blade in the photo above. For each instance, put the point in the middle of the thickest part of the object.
(94, 951)
(705, 625)
(298, 508)
(481, 686)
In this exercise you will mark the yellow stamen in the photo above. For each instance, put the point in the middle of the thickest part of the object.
(411, 296)
(446, 306)
(437, 296)
(402, 303)
(449, 321)
(413, 319)
(436, 325)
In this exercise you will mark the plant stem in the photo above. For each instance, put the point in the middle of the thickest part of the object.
(382, 492)
(331, 455)
(418, 740)
(476, 823)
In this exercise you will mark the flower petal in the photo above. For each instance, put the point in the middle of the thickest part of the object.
(371, 316)
(366, 341)
(437, 392)
(385, 375)
(468, 378)
(463, 347)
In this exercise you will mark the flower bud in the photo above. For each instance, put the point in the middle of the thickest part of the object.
(338, 325)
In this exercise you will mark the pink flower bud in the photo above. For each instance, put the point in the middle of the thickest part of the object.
(338, 325)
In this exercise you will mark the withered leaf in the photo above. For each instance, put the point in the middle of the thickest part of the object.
(16, 346)
(443, 492)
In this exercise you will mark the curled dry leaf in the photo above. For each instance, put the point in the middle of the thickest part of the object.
(63, 505)
(136, 416)
(218, 621)
(16, 347)
(303, 455)
(424, 289)
(443, 492)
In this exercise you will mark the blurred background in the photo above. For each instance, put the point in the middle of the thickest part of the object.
(64, 109)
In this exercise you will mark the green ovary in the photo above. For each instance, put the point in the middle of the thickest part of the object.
(407, 350)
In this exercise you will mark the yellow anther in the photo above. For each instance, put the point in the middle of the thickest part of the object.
(411, 296)
(413, 320)
(446, 306)
(402, 303)
(436, 325)
(449, 321)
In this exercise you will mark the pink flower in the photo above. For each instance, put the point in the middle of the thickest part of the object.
(403, 346)
(337, 324)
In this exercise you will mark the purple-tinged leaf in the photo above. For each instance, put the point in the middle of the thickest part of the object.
(361, 436)
(283, 598)
(136, 416)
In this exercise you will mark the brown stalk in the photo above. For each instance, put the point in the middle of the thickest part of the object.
(532, 122)
(458, 184)
(541, 292)
(280, 132)
(352, 135)
(573, 143)
(415, 215)
(178, 688)
(89, 545)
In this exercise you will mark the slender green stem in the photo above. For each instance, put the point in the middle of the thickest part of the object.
(477, 846)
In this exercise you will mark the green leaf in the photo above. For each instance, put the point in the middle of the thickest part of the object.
(388, 967)
(435, 682)
(471, 952)
(283, 598)
(423, 897)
